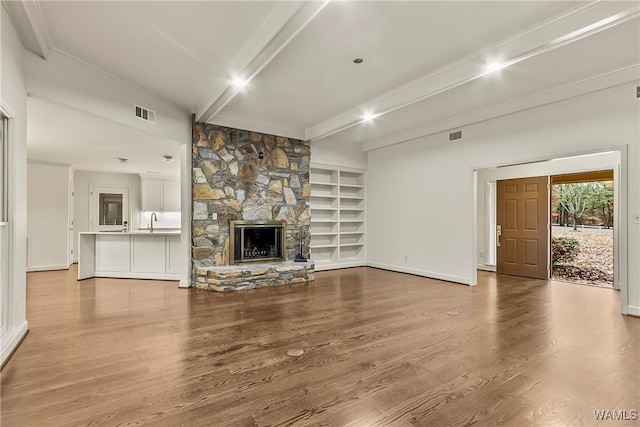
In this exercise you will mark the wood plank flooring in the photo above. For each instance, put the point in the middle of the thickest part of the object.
(381, 349)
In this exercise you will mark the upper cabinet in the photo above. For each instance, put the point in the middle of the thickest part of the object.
(160, 194)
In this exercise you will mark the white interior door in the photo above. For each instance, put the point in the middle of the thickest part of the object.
(109, 209)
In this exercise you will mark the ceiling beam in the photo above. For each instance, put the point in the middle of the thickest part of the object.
(29, 20)
(570, 27)
(593, 84)
(276, 32)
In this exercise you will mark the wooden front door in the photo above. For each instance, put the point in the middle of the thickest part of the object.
(523, 233)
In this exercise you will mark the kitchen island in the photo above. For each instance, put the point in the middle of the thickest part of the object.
(131, 255)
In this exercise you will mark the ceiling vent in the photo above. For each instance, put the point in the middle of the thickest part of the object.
(454, 136)
(144, 114)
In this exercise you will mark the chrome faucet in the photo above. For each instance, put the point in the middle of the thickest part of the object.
(153, 215)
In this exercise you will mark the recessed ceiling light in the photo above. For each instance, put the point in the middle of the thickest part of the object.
(495, 66)
(358, 61)
(167, 158)
(122, 159)
(367, 117)
(239, 82)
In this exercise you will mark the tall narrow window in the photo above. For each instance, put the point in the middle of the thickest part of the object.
(5, 255)
(490, 258)
(4, 173)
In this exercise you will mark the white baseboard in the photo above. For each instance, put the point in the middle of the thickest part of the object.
(48, 267)
(633, 310)
(483, 267)
(134, 275)
(184, 283)
(418, 272)
(325, 267)
(10, 343)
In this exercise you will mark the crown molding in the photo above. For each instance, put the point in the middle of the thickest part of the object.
(560, 31)
(594, 84)
(276, 32)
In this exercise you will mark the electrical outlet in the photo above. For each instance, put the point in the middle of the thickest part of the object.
(214, 216)
(481, 254)
(636, 218)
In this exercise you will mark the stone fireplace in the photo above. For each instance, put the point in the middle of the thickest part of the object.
(242, 178)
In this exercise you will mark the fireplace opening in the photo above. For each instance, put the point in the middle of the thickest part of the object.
(256, 241)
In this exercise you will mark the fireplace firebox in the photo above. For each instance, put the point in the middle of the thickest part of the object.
(256, 241)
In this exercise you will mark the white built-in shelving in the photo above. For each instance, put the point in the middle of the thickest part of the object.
(337, 217)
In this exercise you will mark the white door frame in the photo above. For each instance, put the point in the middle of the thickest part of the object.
(620, 219)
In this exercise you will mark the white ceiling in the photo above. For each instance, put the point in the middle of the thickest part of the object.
(59, 134)
(423, 61)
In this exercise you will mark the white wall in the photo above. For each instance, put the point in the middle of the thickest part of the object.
(13, 97)
(595, 162)
(420, 194)
(69, 82)
(334, 152)
(47, 216)
(83, 180)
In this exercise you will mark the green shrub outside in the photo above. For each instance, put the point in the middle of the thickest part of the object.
(564, 249)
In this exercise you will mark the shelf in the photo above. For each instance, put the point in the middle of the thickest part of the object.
(351, 262)
(326, 184)
(343, 194)
(323, 196)
(322, 262)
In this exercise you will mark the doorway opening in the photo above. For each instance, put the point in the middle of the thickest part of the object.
(582, 228)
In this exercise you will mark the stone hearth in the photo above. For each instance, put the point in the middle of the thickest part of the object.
(252, 276)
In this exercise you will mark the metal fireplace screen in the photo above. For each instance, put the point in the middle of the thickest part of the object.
(256, 241)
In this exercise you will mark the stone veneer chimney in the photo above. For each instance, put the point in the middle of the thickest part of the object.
(243, 175)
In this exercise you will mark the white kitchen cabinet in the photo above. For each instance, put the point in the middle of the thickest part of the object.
(151, 192)
(171, 196)
(133, 255)
(160, 195)
(112, 253)
(173, 254)
(148, 254)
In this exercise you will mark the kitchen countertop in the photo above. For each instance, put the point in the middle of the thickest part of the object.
(158, 232)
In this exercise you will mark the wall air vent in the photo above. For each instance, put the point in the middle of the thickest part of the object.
(454, 136)
(144, 114)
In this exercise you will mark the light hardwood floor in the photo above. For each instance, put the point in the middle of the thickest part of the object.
(381, 349)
